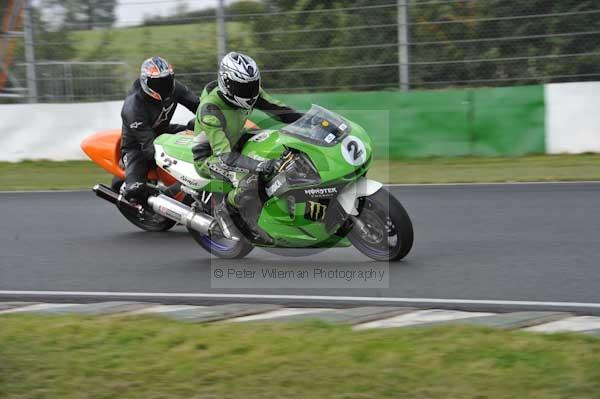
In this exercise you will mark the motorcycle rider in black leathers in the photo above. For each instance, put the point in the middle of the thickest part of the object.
(147, 113)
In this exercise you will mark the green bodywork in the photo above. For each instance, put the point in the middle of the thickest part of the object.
(224, 124)
(275, 219)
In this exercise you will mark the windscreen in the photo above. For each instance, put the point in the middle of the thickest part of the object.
(319, 125)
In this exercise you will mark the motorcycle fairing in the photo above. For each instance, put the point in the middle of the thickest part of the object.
(303, 221)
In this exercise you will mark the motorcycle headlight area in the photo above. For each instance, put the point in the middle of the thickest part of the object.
(299, 172)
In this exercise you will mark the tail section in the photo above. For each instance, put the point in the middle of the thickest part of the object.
(104, 148)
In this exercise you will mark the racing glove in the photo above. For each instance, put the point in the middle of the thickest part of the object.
(266, 167)
(191, 124)
(176, 128)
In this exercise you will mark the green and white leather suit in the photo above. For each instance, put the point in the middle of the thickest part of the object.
(220, 130)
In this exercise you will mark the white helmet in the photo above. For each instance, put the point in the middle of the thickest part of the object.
(239, 80)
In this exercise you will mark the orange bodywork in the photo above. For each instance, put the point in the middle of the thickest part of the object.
(104, 148)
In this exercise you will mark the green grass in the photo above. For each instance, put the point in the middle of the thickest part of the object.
(489, 169)
(145, 357)
(47, 175)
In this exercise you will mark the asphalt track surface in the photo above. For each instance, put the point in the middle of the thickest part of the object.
(513, 242)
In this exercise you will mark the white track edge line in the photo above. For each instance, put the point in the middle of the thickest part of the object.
(304, 297)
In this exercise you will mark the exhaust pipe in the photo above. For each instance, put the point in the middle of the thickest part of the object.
(181, 213)
(109, 195)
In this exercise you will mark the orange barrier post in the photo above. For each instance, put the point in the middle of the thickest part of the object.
(11, 43)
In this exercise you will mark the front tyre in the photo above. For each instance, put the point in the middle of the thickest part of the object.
(221, 246)
(388, 233)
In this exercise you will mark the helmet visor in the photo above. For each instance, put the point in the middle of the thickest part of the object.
(164, 86)
(247, 90)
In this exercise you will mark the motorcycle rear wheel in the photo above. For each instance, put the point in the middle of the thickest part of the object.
(149, 221)
(389, 236)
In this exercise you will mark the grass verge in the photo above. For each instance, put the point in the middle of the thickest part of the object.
(149, 357)
(48, 175)
(489, 169)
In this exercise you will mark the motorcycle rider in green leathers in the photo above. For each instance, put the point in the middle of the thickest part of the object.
(225, 105)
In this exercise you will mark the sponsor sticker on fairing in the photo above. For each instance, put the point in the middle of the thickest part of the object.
(257, 138)
(273, 188)
(315, 211)
(329, 138)
(325, 192)
(183, 141)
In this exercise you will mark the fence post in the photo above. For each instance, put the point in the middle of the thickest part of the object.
(68, 79)
(29, 52)
(403, 56)
(221, 31)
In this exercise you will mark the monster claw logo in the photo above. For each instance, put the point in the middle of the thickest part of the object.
(315, 211)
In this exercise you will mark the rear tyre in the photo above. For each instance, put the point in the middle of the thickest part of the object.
(149, 221)
(222, 247)
(389, 232)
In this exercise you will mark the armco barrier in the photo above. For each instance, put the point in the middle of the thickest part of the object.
(499, 121)
(54, 131)
(572, 117)
(509, 121)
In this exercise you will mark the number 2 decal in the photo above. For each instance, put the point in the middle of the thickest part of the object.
(353, 150)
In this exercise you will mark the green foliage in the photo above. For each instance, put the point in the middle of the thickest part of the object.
(86, 14)
(206, 14)
(439, 51)
(191, 48)
(245, 7)
(523, 38)
(51, 42)
(317, 40)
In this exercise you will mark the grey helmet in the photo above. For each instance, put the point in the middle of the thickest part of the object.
(239, 80)
(157, 78)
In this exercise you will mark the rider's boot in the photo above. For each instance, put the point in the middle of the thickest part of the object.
(226, 224)
(136, 192)
(250, 205)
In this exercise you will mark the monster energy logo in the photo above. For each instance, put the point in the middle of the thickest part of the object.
(326, 192)
(315, 210)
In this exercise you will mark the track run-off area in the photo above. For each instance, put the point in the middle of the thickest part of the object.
(477, 247)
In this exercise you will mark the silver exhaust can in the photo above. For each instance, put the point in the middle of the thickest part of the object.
(181, 213)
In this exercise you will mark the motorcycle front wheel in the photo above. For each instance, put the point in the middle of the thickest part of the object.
(221, 246)
(387, 233)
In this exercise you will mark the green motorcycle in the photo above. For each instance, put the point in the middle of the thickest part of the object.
(319, 196)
